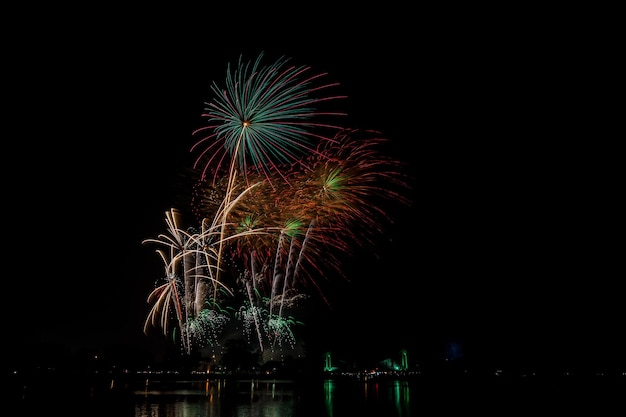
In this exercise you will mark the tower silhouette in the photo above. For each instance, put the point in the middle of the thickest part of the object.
(404, 361)
(328, 366)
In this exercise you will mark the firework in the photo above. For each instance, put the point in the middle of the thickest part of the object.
(281, 195)
(190, 288)
(266, 117)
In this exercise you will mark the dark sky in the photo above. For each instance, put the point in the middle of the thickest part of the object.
(508, 248)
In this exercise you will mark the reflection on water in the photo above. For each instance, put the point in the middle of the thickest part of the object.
(329, 388)
(216, 398)
(401, 397)
(342, 397)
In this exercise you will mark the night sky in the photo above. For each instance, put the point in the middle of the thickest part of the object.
(507, 250)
